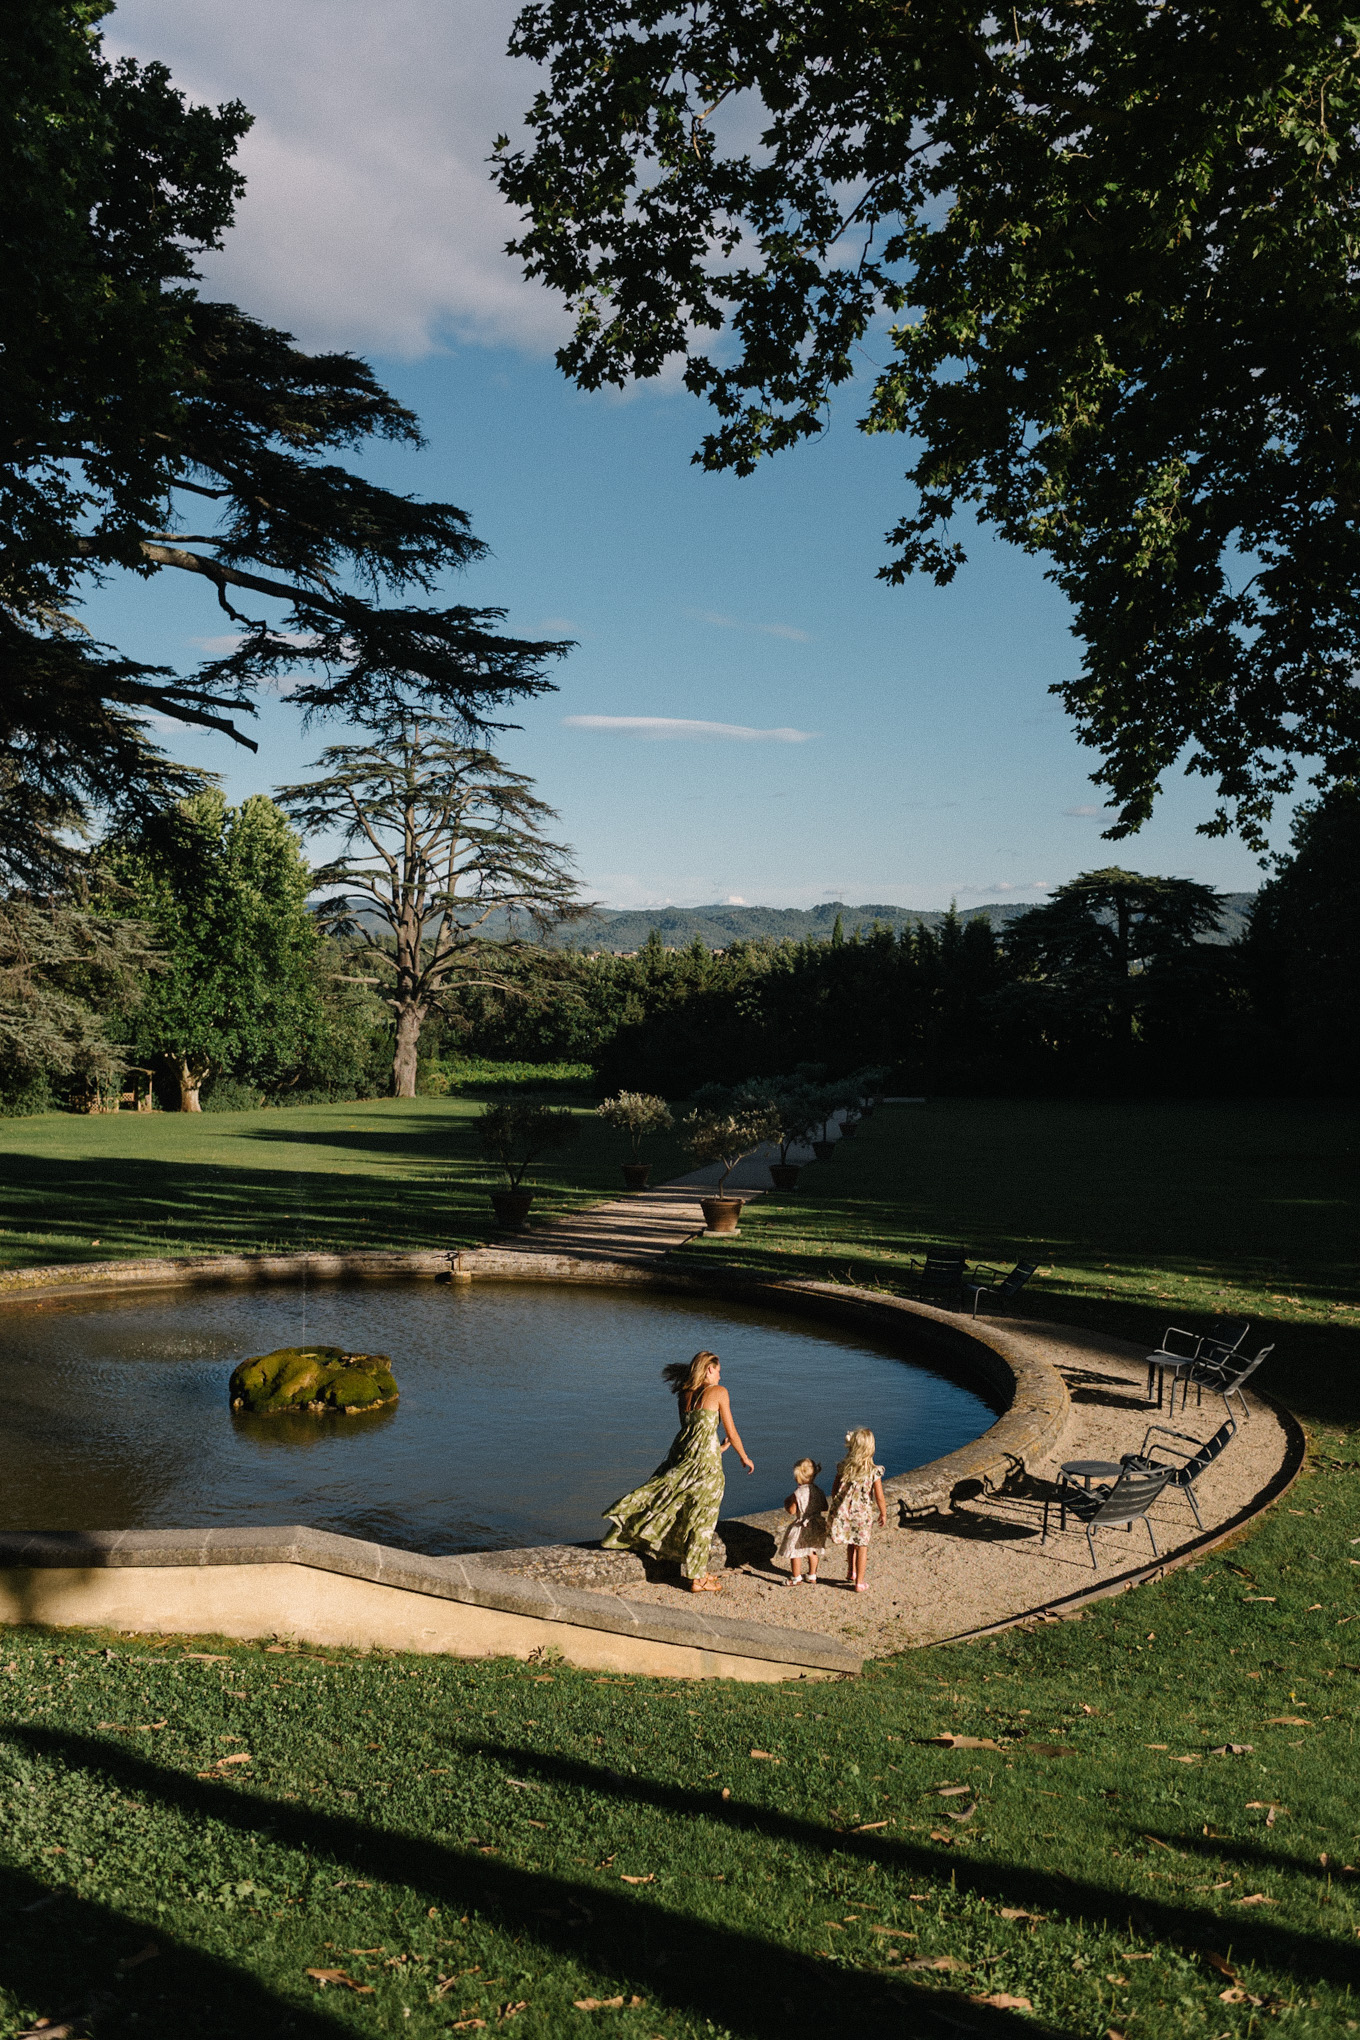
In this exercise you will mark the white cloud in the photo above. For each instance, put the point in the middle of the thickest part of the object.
(660, 726)
(734, 899)
(1083, 810)
(369, 221)
(782, 630)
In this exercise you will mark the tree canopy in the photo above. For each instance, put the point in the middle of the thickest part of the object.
(439, 837)
(1118, 244)
(144, 429)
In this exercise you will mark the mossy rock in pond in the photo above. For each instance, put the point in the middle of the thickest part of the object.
(319, 1379)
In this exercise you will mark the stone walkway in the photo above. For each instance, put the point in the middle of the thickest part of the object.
(985, 1561)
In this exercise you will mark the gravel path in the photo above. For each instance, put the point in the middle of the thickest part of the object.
(986, 1561)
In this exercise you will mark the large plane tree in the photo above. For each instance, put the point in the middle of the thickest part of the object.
(144, 430)
(1095, 263)
(444, 846)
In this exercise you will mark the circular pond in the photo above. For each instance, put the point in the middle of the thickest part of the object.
(525, 1408)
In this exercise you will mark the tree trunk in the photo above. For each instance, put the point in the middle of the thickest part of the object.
(410, 1020)
(190, 1082)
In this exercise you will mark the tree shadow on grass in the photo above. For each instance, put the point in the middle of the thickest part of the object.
(77, 1963)
(718, 1972)
(738, 1980)
(139, 1205)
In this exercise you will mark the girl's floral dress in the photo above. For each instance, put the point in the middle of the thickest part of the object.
(674, 1514)
(853, 1509)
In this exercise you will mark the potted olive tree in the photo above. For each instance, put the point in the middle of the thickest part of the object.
(726, 1136)
(828, 1104)
(797, 1111)
(513, 1133)
(636, 1113)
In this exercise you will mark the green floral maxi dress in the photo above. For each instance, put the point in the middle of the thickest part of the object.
(674, 1514)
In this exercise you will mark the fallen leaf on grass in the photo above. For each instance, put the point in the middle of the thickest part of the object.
(726, 1792)
(467, 2025)
(513, 2011)
(1002, 2001)
(964, 1742)
(147, 1954)
(936, 1962)
(614, 2004)
(1233, 1749)
(1287, 1721)
(138, 1728)
(534, 1823)
(1223, 1966)
(905, 1933)
(1017, 1912)
(1256, 1898)
(325, 1976)
(1193, 1758)
(962, 1817)
(867, 1827)
(1156, 1746)
(951, 1791)
(767, 1756)
(650, 1878)
(1259, 1597)
(1115, 1979)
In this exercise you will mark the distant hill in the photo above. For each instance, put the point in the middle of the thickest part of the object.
(622, 930)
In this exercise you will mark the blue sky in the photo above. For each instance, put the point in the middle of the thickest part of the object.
(916, 754)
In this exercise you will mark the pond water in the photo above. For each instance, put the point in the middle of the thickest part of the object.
(525, 1408)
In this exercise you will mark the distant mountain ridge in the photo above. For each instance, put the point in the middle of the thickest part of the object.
(620, 930)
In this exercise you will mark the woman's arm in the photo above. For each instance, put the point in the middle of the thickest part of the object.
(882, 1505)
(725, 1410)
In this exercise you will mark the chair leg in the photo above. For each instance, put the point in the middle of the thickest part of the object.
(1190, 1497)
(1044, 1538)
(1091, 1547)
(1153, 1535)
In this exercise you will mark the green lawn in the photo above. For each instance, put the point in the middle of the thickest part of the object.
(495, 1842)
(388, 1172)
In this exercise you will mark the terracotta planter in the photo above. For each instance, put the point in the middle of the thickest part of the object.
(721, 1214)
(849, 1128)
(635, 1174)
(823, 1149)
(511, 1208)
(784, 1175)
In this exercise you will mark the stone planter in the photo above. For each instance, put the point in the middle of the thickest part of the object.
(721, 1214)
(784, 1175)
(635, 1174)
(849, 1128)
(511, 1208)
(823, 1149)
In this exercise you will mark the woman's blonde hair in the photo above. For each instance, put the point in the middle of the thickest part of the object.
(806, 1469)
(858, 1463)
(687, 1379)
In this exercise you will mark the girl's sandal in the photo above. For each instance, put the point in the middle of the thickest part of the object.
(707, 1585)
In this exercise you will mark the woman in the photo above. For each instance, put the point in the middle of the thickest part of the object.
(674, 1514)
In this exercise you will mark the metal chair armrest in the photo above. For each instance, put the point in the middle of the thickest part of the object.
(1175, 1332)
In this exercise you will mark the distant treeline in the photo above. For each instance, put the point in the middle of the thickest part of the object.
(195, 973)
(1050, 1004)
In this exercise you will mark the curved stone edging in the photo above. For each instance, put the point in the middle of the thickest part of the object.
(1036, 1412)
(1068, 1606)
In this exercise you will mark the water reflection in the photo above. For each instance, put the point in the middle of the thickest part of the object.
(524, 1409)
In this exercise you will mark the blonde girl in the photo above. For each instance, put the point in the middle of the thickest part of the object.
(805, 1537)
(674, 1514)
(857, 1493)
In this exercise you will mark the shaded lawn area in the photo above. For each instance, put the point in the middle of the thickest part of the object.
(1142, 1215)
(484, 1846)
(390, 1172)
(498, 1842)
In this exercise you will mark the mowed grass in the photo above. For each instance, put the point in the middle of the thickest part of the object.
(487, 1846)
(387, 1172)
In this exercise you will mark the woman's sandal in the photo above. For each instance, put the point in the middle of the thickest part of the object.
(707, 1585)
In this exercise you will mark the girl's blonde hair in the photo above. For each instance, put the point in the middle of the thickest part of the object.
(858, 1463)
(687, 1379)
(806, 1469)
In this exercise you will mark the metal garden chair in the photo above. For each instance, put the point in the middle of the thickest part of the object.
(1226, 1375)
(1001, 1289)
(1187, 1472)
(1224, 1336)
(941, 1272)
(1120, 1504)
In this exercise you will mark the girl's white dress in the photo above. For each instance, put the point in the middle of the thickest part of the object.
(807, 1530)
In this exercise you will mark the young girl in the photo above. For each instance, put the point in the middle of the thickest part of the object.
(858, 1490)
(806, 1534)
